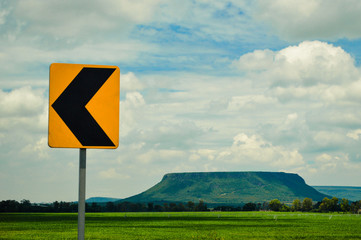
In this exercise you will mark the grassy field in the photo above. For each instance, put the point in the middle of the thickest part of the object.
(204, 225)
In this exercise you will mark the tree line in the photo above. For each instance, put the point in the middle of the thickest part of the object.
(306, 205)
(27, 206)
(324, 206)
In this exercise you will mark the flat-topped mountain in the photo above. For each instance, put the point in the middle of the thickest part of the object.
(228, 188)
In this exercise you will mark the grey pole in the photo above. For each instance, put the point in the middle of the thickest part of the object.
(81, 200)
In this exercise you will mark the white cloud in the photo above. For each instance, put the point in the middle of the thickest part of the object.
(21, 102)
(134, 100)
(112, 173)
(258, 60)
(250, 150)
(131, 111)
(312, 70)
(291, 118)
(331, 170)
(201, 155)
(129, 82)
(68, 18)
(331, 140)
(164, 135)
(249, 101)
(39, 148)
(23, 110)
(306, 64)
(30, 58)
(3, 14)
(353, 92)
(162, 155)
(354, 134)
(313, 19)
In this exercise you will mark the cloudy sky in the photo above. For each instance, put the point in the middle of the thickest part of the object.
(205, 86)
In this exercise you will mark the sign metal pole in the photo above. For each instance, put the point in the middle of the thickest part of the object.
(81, 200)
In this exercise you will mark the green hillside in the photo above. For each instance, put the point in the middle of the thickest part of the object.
(228, 188)
(351, 193)
(101, 200)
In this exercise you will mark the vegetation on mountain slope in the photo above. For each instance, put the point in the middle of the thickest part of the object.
(228, 188)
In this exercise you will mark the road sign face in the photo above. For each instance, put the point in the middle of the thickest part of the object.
(83, 106)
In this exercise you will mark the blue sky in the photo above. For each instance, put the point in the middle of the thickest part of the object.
(205, 86)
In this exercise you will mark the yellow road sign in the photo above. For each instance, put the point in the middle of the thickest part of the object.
(83, 106)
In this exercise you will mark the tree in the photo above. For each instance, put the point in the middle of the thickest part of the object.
(190, 206)
(94, 207)
(275, 205)
(265, 206)
(325, 205)
(9, 206)
(173, 207)
(158, 208)
(150, 207)
(249, 207)
(181, 207)
(345, 206)
(165, 207)
(25, 205)
(334, 204)
(123, 206)
(259, 206)
(285, 208)
(296, 205)
(307, 205)
(110, 207)
(356, 206)
(56, 206)
(201, 206)
(329, 205)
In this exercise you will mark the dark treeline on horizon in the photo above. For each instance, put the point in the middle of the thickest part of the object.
(307, 205)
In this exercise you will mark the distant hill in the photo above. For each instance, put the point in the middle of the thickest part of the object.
(101, 200)
(228, 188)
(351, 193)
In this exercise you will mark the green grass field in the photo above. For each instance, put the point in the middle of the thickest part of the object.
(187, 225)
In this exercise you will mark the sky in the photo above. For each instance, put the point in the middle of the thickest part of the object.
(204, 86)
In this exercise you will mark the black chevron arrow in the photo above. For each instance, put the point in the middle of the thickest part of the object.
(70, 106)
